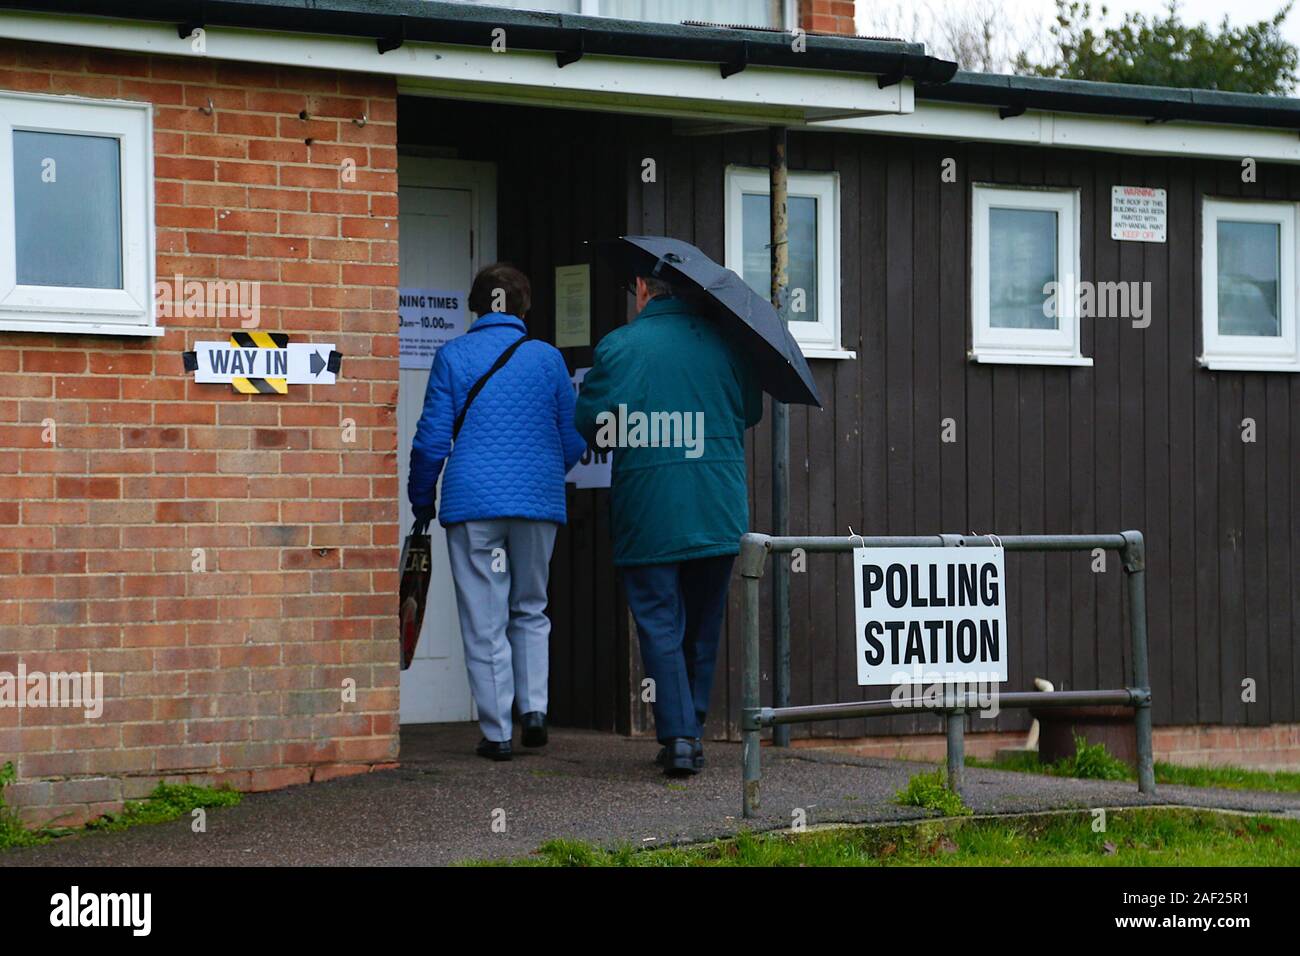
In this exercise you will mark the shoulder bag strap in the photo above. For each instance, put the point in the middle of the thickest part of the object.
(478, 386)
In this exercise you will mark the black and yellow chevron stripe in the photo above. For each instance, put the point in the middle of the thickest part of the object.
(260, 340)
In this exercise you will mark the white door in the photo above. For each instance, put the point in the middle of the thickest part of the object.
(446, 231)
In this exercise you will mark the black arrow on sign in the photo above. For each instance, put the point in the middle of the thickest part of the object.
(317, 363)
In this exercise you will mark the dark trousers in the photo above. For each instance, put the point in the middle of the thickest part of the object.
(679, 610)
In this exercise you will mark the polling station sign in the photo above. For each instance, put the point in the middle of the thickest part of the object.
(930, 615)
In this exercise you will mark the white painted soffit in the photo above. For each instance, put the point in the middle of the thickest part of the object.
(1111, 134)
(659, 87)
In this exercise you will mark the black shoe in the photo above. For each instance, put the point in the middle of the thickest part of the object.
(677, 757)
(699, 753)
(493, 750)
(534, 724)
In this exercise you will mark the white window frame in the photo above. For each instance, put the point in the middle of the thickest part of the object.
(126, 311)
(1249, 353)
(820, 339)
(1059, 346)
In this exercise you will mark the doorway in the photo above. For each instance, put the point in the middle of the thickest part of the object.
(447, 231)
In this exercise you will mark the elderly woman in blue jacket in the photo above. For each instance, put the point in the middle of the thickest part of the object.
(506, 456)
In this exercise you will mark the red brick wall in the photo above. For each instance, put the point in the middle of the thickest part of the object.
(827, 16)
(1275, 747)
(233, 673)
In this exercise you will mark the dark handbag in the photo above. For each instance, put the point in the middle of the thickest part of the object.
(413, 591)
(483, 380)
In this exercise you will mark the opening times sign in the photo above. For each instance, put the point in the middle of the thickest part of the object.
(427, 319)
(930, 615)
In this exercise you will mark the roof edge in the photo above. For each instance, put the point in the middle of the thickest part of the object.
(432, 21)
(1016, 94)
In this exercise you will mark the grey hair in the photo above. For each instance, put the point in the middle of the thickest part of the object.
(659, 286)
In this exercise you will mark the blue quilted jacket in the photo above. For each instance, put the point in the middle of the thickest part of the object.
(518, 439)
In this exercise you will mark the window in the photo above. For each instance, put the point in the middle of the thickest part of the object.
(814, 231)
(76, 216)
(750, 13)
(1248, 309)
(1024, 268)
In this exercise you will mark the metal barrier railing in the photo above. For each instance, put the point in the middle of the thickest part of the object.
(754, 549)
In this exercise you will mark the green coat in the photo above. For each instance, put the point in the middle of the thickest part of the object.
(672, 503)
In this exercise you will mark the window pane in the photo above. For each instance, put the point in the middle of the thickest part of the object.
(67, 210)
(749, 13)
(1022, 261)
(756, 227)
(1249, 278)
(546, 6)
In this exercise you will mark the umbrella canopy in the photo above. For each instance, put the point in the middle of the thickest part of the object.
(752, 321)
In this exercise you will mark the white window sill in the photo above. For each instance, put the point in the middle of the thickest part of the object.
(84, 328)
(994, 357)
(1238, 364)
(821, 352)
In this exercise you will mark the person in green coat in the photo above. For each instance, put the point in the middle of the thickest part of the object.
(672, 396)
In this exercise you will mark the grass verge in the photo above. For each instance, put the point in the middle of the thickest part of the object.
(167, 802)
(1133, 837)
(1228, 778)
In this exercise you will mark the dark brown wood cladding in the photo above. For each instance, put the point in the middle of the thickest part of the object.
(1144, 439)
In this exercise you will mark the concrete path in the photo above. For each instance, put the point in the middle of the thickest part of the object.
(439, 807)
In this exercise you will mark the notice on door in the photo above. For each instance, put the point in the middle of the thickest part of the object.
(1138, 214)
(427, 319)
(572, 306)
(595, 468)
(930, 615)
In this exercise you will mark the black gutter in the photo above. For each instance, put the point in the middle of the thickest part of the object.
(1015, 94)
(392, 22)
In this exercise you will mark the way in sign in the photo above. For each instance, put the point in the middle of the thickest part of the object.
(298, 363)
(244, 362)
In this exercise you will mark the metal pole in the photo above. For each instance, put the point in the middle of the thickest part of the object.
(852, 710)
(753, 768)
(780, 437)
(956, 721)
(1135, 565)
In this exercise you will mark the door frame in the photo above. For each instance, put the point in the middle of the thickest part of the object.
(479, 179)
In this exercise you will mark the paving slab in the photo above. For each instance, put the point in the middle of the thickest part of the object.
(440, 806)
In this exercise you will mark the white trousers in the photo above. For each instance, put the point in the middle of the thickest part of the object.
(501, 568)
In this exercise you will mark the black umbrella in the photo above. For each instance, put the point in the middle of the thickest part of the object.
(754, 323)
